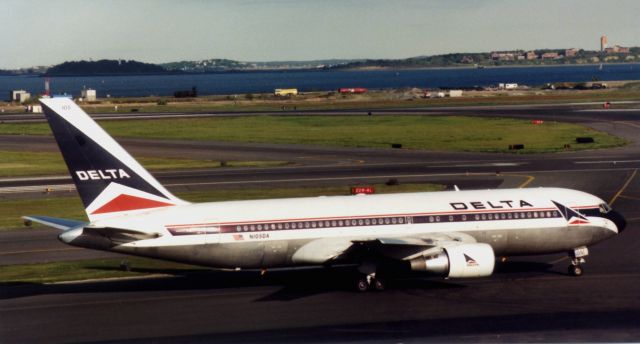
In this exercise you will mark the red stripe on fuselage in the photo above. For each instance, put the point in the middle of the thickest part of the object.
(127, 202)
(355, 217)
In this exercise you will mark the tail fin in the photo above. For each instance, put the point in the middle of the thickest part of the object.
(110, 182)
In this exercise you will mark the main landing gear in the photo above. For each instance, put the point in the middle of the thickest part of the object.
(369, 278)
(370, 282)
(577, 259)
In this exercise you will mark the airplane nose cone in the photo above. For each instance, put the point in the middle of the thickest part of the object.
(618, 220)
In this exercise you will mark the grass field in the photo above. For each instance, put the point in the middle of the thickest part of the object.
(13, 164)
(71, 207)
(87, 269)
(449, 133)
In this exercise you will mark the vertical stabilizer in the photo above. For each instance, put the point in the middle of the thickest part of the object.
(109, 180)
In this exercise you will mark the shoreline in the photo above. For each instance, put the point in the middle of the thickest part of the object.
(491, 67)
(307, 70)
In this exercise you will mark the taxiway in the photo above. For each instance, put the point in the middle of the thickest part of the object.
(528, 299)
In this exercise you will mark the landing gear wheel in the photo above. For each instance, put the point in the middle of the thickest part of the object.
(575, 270)
(379, 284)
(362, 284)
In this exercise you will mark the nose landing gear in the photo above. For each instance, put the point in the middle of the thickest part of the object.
(577, 259)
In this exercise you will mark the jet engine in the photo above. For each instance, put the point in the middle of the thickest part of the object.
(458, 261)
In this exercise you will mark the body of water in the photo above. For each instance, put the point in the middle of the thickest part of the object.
(263, 82)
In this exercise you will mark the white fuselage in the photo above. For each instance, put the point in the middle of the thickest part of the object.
(303, 231)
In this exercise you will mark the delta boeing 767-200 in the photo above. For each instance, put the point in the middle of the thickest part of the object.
(454, 234)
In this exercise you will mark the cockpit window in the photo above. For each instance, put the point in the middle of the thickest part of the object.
(604, 208)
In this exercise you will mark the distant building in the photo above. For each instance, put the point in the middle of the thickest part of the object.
(503, 55)
(508, 86)
(286, 91)
(14, 95)
(466, 59)
(531, 55)
(88, 94)
(570, 52)
(454, 93)
(547, 56)
(603, 42)
(23, 97)
(616, 49)
(34, 108)
(20, 96)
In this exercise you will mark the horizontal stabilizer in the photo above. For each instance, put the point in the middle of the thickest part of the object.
(54, 222)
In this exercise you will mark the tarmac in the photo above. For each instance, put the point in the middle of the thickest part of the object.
(528, 298)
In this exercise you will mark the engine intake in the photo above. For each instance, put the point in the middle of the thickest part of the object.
(459, 261)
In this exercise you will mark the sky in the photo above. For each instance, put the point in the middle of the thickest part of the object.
(45, 32)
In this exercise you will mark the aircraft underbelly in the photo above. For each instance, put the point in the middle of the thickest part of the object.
(257, 254)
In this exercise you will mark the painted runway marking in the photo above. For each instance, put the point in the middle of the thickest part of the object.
(628, 123)
(554, 262)
(33, 179)
(608, 110)
(527, 182)
(253, 290)
(623, 187)
(629, 197)
(606, 162)
(40, 251)
(493, 164)
(37, 188)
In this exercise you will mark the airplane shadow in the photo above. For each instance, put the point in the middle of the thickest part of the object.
(512, 267)
(291, 284)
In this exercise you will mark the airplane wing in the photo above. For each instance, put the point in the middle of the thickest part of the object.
(407, 248)
(328, 250)
(451, 254)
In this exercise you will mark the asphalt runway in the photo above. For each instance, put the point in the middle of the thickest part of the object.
(528, 299)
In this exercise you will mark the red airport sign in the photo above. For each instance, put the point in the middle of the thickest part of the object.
(367, 190)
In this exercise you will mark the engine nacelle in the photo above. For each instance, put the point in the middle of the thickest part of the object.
(459, 261)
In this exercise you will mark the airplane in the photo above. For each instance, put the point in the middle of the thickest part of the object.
(453, 234)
